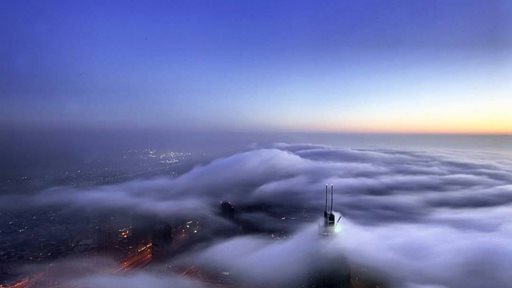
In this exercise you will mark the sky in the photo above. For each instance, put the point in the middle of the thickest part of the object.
(329, 66)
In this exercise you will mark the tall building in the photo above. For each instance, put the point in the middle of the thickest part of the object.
(227, 210)
(162, 241)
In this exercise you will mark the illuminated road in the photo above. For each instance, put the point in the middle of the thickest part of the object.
(27, 282)
(141, 258)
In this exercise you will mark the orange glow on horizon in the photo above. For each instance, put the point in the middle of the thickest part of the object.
(489, 127)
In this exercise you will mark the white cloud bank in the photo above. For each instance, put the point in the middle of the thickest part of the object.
(423, 219)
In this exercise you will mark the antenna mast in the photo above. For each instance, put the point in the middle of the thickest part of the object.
(332, 194)
(325, 198)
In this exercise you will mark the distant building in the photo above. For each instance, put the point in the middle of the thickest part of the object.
(104, 237)
(227, 210)
(162, 240)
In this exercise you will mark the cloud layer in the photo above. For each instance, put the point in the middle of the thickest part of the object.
(423, 219)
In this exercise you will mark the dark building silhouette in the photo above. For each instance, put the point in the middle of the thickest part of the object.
(227, 210)
(329, 225)
(162, 241)
(105, 237)
(329, 218)
(334, 271)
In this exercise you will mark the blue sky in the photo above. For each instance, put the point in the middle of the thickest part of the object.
(364, 66)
